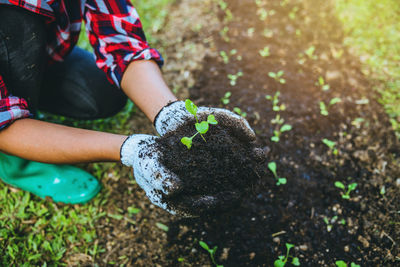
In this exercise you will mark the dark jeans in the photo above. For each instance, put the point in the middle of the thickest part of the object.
(74, 88)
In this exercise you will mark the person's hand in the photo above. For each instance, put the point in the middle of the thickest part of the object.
(140, 152)
(175, 114)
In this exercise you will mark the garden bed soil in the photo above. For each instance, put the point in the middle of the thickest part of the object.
(221, 166)
(305, 40)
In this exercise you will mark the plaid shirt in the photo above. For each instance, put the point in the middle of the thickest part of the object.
(114, 31)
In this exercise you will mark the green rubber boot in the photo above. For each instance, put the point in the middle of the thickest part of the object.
(62, 183)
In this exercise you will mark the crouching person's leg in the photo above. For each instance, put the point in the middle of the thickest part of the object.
(22, 63)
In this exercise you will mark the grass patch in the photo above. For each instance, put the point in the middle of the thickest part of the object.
(373, 30)
(35, 232)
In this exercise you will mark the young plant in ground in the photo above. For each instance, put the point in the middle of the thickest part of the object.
(240, 112)
(224, 34)
(233, 77)
(277, 133)
(225, 100)
(324, 108)
(272, 168)
(264, 52)
(277, 76)
(331, 145)
(321, 83)
(201, 127)
(346, 193)
(267, 33)
(329, 223)
(275, 102)
(341, 263)
(310, 52)
(282, 260)
(225, 56)
(277, 120)
(211, 252)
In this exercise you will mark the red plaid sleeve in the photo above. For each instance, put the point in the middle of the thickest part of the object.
(116, 34)
(11, 107)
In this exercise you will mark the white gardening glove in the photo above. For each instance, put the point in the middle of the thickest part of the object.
(139, 151)
(175, 114)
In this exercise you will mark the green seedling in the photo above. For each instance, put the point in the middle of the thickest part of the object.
(224, 34)
(224, 56)
(233, 77)
(346, 193)
(277, 76)
(211, 252)
(277, 120)
(267, 33)
(251, 31)
(293, 13)
(277, 133)
(321, 83)
(240, 112)
(331, 145)
(275, 102)
(225, 100)
(201, 127)
(341, 263)
(264, 52)
(310, 52)
(282, 260)
(272, 168)
(324, 108)
(329, 223)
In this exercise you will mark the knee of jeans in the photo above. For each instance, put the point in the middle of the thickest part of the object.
(108, 107)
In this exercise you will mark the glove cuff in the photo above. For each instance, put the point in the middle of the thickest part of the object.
(170, 117)
(131, 146)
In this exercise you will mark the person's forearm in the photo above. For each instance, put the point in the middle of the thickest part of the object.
(143, 83)
(53, 143)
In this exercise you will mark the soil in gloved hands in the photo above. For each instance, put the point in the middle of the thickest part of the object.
(219, 172)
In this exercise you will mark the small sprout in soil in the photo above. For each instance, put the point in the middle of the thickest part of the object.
(133, 210)
(275, 102)
(293, 12)
(162, 227)
(323, 107)
(277, 76)
(272, 168)
(357, 122)
(329, 223)
(277, 120)
(225, 57)
(262, 13)
(282, 260)
(342, 222)
(383, 190)
(267, 33)
(233, 77)
(224, 34)
(341, 263)
(310, 52)
(277, 133)
(331, 145)
(225, 100)
(251, 31)
(264, 52)
(321, 83)
(211, 252)
(201, 127)
(240, 112)
(180, 259)
(346, 193)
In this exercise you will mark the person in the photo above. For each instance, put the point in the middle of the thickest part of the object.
(41, 68)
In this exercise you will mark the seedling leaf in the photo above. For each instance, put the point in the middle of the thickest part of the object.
(187, 142)
(204, 245)
(286, 128)
(202, 127)
(272, 167)
(211, 119)
(281, 181)
(289, 246)
(334, 101)
(340, 263)
(191, 107)
(279, 263)
(340, 185)
(275, 139)
(354, 265)
(296, 261)
(352, 186)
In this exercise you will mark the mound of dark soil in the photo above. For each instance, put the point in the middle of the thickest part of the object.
(222, 166)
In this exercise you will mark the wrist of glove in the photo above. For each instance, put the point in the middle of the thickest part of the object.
(140, 152)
